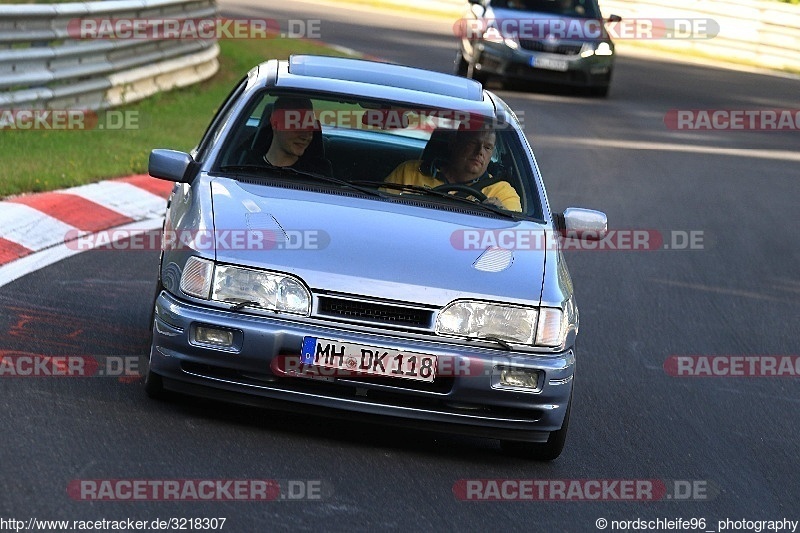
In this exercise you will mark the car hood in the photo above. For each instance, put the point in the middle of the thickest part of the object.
(387, 250)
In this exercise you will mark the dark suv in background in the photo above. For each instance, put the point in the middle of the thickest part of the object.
(561, 42)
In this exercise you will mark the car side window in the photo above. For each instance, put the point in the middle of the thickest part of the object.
(214, 130)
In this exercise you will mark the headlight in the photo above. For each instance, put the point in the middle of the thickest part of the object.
(601, 49)
(479, 319)
(276, 292)
(524, 325)
(604, 49)
(493, 35)
(230, 284)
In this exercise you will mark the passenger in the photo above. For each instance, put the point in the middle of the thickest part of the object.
(466, 162)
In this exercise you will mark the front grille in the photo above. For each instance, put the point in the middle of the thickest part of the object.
(376, 313)
(538, 46)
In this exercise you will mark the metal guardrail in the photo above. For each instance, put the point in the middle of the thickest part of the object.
(43, 63)
(762, 32)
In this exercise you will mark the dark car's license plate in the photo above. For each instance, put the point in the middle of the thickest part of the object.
(550, 64)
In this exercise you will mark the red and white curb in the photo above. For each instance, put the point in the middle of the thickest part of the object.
(35, 229)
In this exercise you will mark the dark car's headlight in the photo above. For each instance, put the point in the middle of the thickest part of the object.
(599, 49)
(493, 35)
(224, 283)
(523, 325)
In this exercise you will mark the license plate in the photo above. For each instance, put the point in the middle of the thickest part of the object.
(348, 359)
(550, 64)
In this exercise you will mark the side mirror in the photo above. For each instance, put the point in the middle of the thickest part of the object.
(584, 224)
(170, 165)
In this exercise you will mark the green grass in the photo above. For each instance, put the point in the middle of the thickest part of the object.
(41, 160)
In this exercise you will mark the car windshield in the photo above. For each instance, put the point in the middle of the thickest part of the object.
(568, 8)
(393, 150)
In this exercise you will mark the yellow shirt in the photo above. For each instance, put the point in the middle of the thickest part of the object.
(408, 174)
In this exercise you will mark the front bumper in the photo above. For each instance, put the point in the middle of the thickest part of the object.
(464, 399)
(500, 60)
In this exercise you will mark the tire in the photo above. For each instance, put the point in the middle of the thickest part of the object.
(599, 91)
(538, 451)
(461, 67)
(477, 75)
(153, 383)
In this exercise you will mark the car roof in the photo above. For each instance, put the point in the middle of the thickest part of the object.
(373, 79)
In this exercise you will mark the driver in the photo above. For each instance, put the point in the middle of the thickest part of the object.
(468, 156)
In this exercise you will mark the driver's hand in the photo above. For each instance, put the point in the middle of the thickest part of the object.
(494, 201)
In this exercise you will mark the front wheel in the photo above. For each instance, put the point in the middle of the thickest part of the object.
(467, 69)
(541, 451)
(153, 384)
(600, 91)
(461, 66)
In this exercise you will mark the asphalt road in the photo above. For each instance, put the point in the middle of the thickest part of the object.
(736, 439)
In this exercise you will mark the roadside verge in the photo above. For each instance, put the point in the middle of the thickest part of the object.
(37, 229)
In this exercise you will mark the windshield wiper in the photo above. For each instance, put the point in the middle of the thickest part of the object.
(427, 190)
(260, 169)
(503, 344)
(241, 305)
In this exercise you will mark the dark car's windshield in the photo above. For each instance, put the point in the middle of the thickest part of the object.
(568, 8)
(371, 144)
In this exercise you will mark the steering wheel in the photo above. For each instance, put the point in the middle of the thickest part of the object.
(460, 188)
